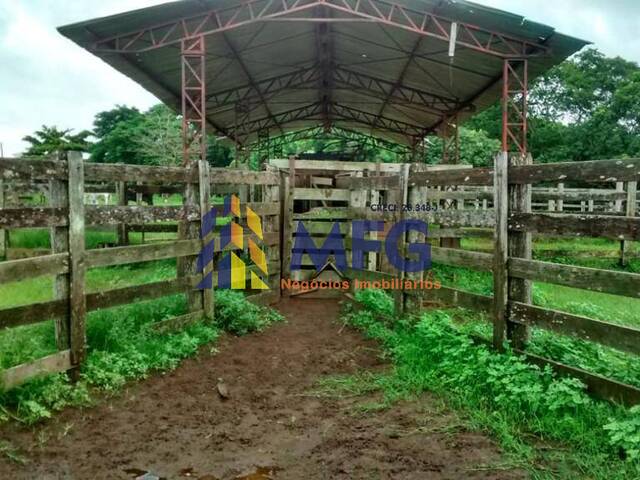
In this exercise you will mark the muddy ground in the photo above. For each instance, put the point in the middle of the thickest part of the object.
(177, 425)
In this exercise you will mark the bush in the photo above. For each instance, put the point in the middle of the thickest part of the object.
(236, 315)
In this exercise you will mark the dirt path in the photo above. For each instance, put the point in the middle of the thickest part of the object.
(177, 426)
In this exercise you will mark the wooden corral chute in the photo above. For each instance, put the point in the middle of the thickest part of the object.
(391, 72)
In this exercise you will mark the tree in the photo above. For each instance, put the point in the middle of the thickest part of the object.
(116, 130)
(586, 108)
(49, 140)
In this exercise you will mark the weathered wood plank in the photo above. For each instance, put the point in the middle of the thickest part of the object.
(222, 176)
(34, 313)
(500, 252)
(33, 217)
(205, 206)
(458, 176)
(604, 333)
(456, 298)
(591, 171)
(261, 208)
(16, 270)
(77, 270)
(462, 258)
(141, 253)
(22, 169)
(55, 363)
(519, 245)
(119, 172)
(444, 218)
(376, 182)
(176, 324)
(148, 291)
(113, 215)
(606, 226)
(327, 194)
(597, 385)
(606, 281)
(332, 165)
(332, 213)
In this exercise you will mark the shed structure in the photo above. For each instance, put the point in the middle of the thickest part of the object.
(393, 71)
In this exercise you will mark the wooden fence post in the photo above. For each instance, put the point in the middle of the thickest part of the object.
(357, 199)
(519, 246)
(630, 211)
(188, 230)
(287, 195)
(204, 177)
(77, 270)
(402, 198)
(59, 238)
(271, 194)
(500, 253)
(121, 200)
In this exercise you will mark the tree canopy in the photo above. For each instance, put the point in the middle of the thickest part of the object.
(50, 139)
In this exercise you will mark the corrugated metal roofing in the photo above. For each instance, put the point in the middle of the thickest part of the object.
(368, 60)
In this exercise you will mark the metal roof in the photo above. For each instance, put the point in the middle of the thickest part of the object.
(374, 66)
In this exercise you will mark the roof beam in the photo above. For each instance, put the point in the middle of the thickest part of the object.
(399, 81)
(266, 123)
(386, 12)
(252, 82)
(324, 53)
(366, 118)
(409, 95)
(269, 86)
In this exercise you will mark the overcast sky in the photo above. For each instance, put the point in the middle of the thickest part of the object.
(47, 79)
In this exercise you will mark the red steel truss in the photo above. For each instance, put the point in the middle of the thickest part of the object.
(194, 139)
(514, 106)
(382, 11)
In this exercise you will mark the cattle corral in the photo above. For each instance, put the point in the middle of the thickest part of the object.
(218, 65)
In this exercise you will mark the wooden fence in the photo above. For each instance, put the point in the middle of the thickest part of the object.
(512, 222)
(67, 217)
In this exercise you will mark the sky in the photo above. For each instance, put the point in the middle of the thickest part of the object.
(47, 79)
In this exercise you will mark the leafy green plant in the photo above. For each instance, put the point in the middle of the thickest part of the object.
(625, 433)
(504, 394)
(236, 315)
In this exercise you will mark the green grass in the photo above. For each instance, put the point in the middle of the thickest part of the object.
(545, 423)
(122, 346)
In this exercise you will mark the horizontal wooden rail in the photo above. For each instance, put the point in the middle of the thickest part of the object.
(333, 165)
(462, 258)
(604, 333)
(463, 176)
(225, 176)
(592, 171)
(455, 298)
(104, 257)
(606, 226)
(31, 217)
(16, 270)
(371, 183)
(326, 194)
(597, 385)
(606, 281)
(54, 363)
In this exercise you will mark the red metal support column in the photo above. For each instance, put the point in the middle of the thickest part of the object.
(514, 106)
(194, 138)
